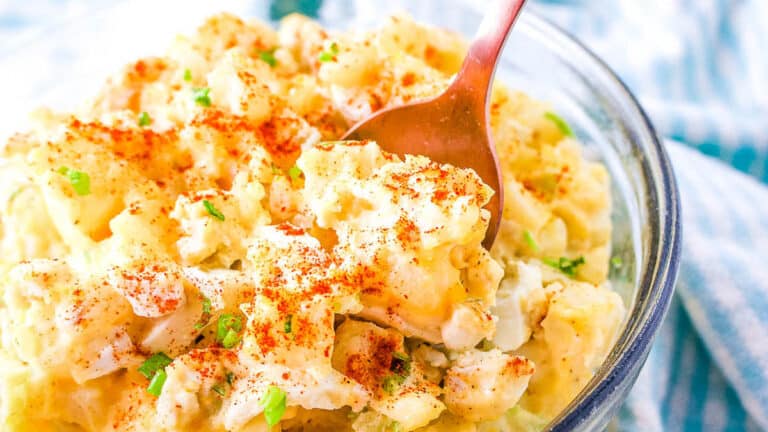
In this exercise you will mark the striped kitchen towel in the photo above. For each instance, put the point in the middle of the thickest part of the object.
(708, 370)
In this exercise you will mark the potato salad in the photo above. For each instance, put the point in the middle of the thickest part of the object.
(194, 250)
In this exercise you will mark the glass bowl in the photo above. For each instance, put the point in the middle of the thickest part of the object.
(69, 60)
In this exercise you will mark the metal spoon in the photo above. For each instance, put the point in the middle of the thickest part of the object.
(453, 127)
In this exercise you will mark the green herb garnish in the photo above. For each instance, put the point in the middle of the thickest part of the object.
(201, 96)
(268, 57)
(617, 262)
(206, 305)
(392, 382)
(294, 172)
(144, 119)
(400, 368)
(156, 362)
(153, 368)
(228, 322)
(156, 385)
(401, 364)
(288, 326)
(80, 181)
(227, 330)
(330, 53)
(230, 339)
(486, 345)
(401, 356)
(206, 314)
(212, 210)
(274, 403)
(530, 241)
(219, 388)
(565, 265)
(561, 124)
(187, 75)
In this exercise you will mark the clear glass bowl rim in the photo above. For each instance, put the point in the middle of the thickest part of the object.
(661, 260)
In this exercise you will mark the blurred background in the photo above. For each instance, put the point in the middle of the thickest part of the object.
(700, 69)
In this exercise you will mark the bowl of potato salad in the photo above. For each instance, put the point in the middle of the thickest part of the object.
(187, 244)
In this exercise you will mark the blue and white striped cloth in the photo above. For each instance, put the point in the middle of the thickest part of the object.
(708, 370)
(700, 70)
(699, 67)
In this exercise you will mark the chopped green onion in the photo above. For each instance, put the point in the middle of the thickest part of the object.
(156, 385)
(288, 326)
(330, 53)
(201, 97)
(274, 403)
(617, 262)
(206, 305)
(206, 314)
(530, 241)
(401, 356)
(212, 210)
(230, 339)
(268, 57)
(294, 172)
(187, 75)
(227, 329)
(80, 181)
(392, 382)
(561, 124)
(218, 388)
(565, 265)
(400, 368)
(486, 345)
(227, 322)
(144, 119)
(400, 364)
(156, 362)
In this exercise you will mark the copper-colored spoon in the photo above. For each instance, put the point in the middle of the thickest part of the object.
(453, 127)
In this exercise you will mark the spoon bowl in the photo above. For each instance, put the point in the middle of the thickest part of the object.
(447, 130)
(453, 127)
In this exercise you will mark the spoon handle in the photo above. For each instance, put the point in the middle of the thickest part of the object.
(476, 75)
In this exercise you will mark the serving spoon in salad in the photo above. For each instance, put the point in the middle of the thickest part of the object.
(453, 127)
